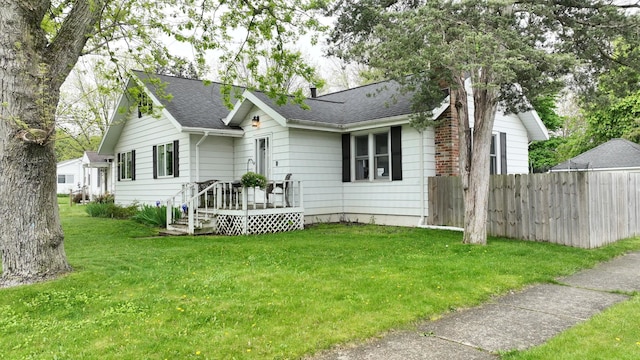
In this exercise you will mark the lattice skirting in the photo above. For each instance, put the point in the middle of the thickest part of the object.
(259, 224)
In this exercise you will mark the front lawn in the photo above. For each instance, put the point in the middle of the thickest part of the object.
(280, 296)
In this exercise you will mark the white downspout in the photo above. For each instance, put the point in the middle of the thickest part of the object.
(206, 133)
(422, 212)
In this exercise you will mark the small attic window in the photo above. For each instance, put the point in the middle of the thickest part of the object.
(145, 105)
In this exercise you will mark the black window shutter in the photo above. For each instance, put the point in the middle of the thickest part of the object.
(346, 157)
(155, 161)
(503, 153)
(118, 167)
(133, 164)
(396, 153)
(176, 159)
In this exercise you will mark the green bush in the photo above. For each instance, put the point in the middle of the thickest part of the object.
(105, 199)
(110, 210)
(77, 197)
(154, 215)
(252, 179)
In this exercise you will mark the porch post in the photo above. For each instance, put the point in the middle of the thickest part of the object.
(245, 208)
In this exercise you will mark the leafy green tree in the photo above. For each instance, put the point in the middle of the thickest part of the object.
(611, 110)
(543, 154)
(509, 50)
(620, 119)
(42, 40)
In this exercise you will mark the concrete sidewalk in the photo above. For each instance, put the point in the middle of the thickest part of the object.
(515, 321)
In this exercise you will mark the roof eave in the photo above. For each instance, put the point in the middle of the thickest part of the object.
(243, 106)
(221, 132)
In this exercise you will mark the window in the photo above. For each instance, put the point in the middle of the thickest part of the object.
(381, 142)
(127, 165)
(493, 156)
(65, 179)
(376, 156)
(145, 105)
(362, 157)
(498, 154)
(165, 160)
(262, 156)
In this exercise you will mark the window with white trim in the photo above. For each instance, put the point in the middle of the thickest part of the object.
(164, 159)
(381, 156)
(362, 157)
(65, 179)
(376, 155)
(493, 156)
(145, 104)
(498, 153)
(125, 165)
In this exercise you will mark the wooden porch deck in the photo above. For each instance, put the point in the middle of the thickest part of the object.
(228, 209)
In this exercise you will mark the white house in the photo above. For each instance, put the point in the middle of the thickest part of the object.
(352, 156)
(69, 174)
(88, 173)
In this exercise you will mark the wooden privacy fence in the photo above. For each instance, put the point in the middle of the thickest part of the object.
(580, 209)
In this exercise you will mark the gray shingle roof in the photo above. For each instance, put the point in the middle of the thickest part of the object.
(364, 103)
(94, 157)
(614, 154)
(192, 103)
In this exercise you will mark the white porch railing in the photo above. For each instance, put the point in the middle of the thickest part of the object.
(230, 198)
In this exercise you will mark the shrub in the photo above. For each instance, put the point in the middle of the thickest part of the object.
(77, 197)
(154, 215)
(110, 210)
(252, 179)
(105, 199)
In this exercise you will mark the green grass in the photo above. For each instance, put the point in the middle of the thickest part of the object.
(276, 296)
(613, 334)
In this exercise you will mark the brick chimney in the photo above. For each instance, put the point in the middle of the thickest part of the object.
(447, 141)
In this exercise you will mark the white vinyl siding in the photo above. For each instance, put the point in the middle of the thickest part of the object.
(141, 134)
(216, 158)
(65, 179)
(370, 199)
(517, 139)
(274, 162)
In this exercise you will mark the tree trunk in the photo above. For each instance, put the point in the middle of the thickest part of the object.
(31, 238)
(474, 168)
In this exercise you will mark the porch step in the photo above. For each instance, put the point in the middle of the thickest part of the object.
(183, 229)
(166, 232)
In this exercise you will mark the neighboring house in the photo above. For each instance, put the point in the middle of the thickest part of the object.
(88, 173)
(95, 172)
(69, 174)
(354, 153)
(614, 155)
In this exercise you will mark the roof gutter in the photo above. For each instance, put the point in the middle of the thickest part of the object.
(219, 132)
(310, 124)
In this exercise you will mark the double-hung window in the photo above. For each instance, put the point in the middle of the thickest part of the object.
(376, 155)
(145, 104)
(126, 165)
(165, 160)
(498, 154)
(493, 156)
